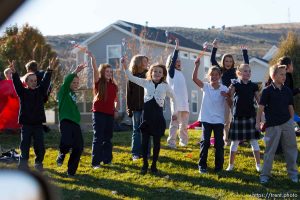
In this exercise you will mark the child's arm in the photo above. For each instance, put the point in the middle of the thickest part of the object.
(292, 111)
(16, 79)
(172, 64)
(195, 74)
(257, 96)
(139, 81)
(45, 82)
(245, 54)
(213, 54)
(94, 66)
(228, 95)
(260, 110)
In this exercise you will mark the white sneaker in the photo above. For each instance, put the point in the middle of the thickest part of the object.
(135, 158)
(182, 144)
(96, 167)
(258, 167)
(230, 168)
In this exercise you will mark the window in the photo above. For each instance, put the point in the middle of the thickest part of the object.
(113, 55)
(194, 100)
(184, 54)
(193, 56)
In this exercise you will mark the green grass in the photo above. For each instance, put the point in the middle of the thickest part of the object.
(178, 178)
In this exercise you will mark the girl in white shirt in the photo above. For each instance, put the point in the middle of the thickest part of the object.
(153, 123)
(212, 115)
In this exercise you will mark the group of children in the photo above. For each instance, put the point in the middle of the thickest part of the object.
(227, 110)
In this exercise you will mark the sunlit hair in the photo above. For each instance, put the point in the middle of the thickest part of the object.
(212, 69)
(273, 70)
(26, 76)
(169, 59)
(223, 61)
(136, 64)
(285, 60)
(163, 79)
(31, 66)
(6, 71)
(240, 68)
(102, 85)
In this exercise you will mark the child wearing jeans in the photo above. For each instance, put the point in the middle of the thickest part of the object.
(212, 115)
(32, 114)
(277, 103)
(69, 117)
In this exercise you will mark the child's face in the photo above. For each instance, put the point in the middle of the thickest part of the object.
(75, 84)
(178, 64)
(157, 74)
(145, 63)
(214, 77)
(228, 62)
(245, 73)
(280, 76)
(31, 81)
(108, 74)
(8, 75)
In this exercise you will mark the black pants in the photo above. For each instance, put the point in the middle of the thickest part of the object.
(103, 132)
(145, 147)
(205, 144)
(36, 132)
(71, 138)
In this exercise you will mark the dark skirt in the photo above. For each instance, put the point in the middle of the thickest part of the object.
(243, 128)
(153, 121)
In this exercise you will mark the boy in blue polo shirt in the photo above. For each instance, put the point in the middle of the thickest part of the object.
(277, 103)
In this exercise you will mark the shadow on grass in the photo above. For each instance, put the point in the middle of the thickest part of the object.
(126, 189)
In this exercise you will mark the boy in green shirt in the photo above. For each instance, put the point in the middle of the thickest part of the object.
(69, 117)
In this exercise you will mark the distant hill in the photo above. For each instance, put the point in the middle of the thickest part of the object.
(258, 38)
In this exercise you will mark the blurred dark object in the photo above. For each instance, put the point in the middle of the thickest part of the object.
(46, 129)
(119, 127)
(8, 7)
(10, 156)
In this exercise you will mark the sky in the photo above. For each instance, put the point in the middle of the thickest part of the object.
(58, 17)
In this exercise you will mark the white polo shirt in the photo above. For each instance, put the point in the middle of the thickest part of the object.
(213, 104)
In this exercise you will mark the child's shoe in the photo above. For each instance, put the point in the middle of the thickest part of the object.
(60, 160)
(230, 167)
(153, 168)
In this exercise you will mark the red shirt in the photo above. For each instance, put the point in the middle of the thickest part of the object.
(107, 104)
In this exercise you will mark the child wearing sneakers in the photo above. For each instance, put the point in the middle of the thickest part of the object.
(277, 103)
(243, 124)
(212, 115)
(69, 117)
(177, 82)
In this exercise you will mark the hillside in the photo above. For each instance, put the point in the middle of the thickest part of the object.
(258, 38)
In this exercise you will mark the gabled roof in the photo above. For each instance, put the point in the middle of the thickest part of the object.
(150, 34)
(260, 61)
(157, 35)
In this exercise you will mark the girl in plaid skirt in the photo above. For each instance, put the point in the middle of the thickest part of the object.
(243, 124)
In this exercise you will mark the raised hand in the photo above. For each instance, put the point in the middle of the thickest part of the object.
(244, 47)
(80, 67)
(215, 43)
(124, 62)
(12, 65)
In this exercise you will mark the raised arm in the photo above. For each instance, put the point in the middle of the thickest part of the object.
(213, 54)
(245, 54)
(174, 57)
(195, 73)
(45, 82)
(16, 79)
(94, 66)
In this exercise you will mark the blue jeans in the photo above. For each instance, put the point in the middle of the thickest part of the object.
(136, 142)
(103, 125)
(207, 129)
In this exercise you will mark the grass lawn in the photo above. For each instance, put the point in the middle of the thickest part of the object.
(178, 177)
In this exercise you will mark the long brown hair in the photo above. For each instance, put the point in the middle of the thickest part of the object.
(102, 83)
(163, 79)
(226, 55)
(136, 64)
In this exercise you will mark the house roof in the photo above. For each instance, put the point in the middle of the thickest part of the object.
(260, 61)
(157, 35)
(151, 34)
